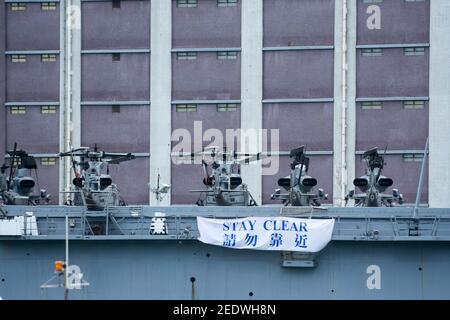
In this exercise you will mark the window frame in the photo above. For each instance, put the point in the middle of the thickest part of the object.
(17, 110)
(48, 109)
(187, 3)
(186, 107)
(188, 55)
(48, 161)
(226, 107)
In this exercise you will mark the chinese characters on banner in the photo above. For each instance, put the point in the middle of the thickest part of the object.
(267, 233)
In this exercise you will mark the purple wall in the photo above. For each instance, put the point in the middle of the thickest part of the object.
(298, 74)
(33, 28)
(206, 78)
(321, 168)
(392, 74)
(32, 80)
(298, 23)
(210, 118)
(206, 26)
(127, 131)
(187, 177)
(307, 123)
(2, 84)
(104, 79)
(105, 27)
(405, 176)
(48, 180)
(34, 132)
(401, 22)
(393, 125)
(131, 178)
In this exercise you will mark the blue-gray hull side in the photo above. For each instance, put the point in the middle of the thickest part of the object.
(163, 270)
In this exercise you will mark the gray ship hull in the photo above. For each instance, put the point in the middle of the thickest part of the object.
(413, 262)
(163, 270)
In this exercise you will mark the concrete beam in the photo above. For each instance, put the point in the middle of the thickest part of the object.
(252, 90)
(439, 107)
(161, 95)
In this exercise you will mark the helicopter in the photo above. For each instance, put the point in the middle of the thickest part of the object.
(224, 186)
(373, 184)
(17, 188)
(93, 185)
(299, 184)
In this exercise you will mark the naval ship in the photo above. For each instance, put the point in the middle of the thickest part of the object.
(325, 68)
(115, 251)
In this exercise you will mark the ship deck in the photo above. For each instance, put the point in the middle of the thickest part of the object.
(134, 222)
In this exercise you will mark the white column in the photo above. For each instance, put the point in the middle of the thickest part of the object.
(252, 90)
(160, 91)
(351, 92)
(439, 106)
(76, 75)
(62, 93)
(70, 86)
(344, 99)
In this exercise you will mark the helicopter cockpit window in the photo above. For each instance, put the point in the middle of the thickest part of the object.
(235, 182)
(105, 182)
(29, 162)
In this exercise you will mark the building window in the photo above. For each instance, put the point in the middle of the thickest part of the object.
(116, 57)
(186, 55)
(226, 3)
(372, 105)
(419, 51)
(47, 6)
(115, 109)
(48, 109)
(18, 6)
(187, 3)
(18, 110)
(374, 52)
(414, 0)
(116, 4)
(226, 55)
(48, 161)
(18, 58)
(413, 157)
(48, 57)
(225, 107)
(372, 1)
(413, 104)
(186, 108)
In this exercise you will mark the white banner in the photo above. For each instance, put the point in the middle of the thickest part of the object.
(267, 233)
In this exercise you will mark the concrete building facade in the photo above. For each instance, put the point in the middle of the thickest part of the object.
(339, 76)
